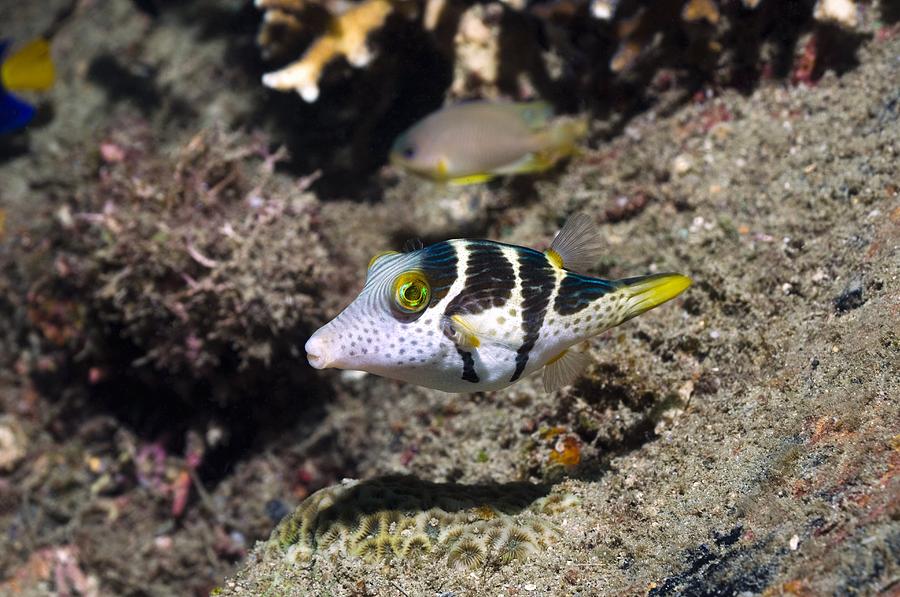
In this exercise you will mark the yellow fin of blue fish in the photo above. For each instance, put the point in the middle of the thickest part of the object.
(578, 246)
(563, 369)
(30, 68)
(646, 292)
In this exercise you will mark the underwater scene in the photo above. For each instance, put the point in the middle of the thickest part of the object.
(449, 298)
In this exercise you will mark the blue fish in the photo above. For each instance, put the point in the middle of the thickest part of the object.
(28, 69)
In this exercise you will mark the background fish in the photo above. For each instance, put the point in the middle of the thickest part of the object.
(28, 69)
(476, 141)
(473, 315)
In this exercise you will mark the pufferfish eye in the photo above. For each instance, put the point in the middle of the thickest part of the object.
(408, 152)
(411, 292)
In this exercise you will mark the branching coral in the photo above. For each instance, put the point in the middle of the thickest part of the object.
(346, 37)
(515, 48)
(403, 517)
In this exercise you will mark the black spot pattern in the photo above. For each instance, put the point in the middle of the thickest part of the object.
(538, 281)
(490, 280)
(577, 292)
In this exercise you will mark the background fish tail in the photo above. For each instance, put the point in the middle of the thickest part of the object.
(562, 137)
(567, 132)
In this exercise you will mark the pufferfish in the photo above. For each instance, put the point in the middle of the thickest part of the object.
(475, 141)
(475, 315)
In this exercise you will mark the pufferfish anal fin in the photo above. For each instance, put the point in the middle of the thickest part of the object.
(578, 245)
(463, 334)
(564, 369)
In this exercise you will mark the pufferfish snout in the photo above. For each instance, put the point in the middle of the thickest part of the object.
(333, 346)
(317, 352)
(477, 315)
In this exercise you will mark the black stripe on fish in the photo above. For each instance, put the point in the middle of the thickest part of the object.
(468, 361)
(469, 373)
(577, 292)
(439, 264)
(537, 282)
(490, 280)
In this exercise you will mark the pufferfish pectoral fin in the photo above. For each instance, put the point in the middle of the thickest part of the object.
(463, 334)
(578, 246)
(564, 369)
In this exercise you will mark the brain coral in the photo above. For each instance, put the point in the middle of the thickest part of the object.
(403, 517)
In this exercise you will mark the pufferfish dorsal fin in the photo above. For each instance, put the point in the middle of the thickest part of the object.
(578, 245)
(463, 334)
(412, 245)
(563, 369)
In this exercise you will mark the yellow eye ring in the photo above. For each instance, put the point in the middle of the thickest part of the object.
(412, 293)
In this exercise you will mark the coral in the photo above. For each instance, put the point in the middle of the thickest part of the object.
(842, 12)
(195, 259)
(346, 36)
(404, 517)
(524, 49)
(733, 36)
(477, 44)
(699, 10)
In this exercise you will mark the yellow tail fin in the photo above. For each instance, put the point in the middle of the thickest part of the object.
(646, 292)
(567, 132)
(30, 68)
